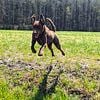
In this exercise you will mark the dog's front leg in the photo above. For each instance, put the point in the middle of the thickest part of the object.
(43, 45)
(32, 44)
(41, 50)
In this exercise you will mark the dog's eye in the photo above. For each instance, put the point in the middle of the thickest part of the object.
(36, 27)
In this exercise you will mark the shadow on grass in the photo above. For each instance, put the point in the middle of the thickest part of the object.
(43, 90)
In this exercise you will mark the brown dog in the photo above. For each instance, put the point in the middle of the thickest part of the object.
(43, 35)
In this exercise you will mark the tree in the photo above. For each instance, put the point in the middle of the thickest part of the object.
(78, 15)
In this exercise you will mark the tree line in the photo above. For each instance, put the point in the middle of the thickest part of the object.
(74, 15)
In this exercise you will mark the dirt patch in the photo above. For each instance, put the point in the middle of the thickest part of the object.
(46, 79)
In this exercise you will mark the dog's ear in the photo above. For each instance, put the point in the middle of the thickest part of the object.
(33, 18)
(42, 19)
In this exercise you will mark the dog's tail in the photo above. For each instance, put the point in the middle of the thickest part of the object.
(52, 24)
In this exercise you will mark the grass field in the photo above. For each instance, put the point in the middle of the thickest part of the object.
(25, 76)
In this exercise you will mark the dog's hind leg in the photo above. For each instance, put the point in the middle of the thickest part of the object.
(57, 44)
(50, 47)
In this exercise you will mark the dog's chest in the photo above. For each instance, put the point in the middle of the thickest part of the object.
(41, 39)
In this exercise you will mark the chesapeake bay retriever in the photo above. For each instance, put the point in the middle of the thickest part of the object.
(44, 35)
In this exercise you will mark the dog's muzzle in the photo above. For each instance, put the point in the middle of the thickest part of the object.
(36, 35)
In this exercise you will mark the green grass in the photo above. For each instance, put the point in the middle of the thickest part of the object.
(22, 72)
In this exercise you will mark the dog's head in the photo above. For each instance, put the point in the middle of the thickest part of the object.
(38, 26)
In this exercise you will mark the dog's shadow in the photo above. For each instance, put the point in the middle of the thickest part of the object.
(43, 90)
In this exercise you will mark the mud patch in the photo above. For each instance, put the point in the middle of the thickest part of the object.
(81, 80)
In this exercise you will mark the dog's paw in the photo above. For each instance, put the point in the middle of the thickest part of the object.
(63, 54)
(34, 51)
(40, 54)
(53, 55)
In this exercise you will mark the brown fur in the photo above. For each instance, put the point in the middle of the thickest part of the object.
(44, 36)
